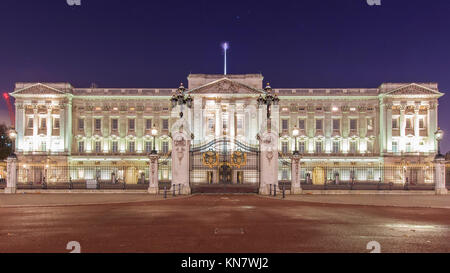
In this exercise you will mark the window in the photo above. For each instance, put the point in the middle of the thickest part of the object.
(131, 147)
(131, 124)
(318, 147)
(98, 146)
(56, 123)
(301, 147)
(43, 146)
(421, 123)
(369, 146)
(81, 147)
(353, 124)
(369, 124)
(336, 147)
(240, 123)
(395, 123)
(301, 124)
(336, 124)
(148, 147)
(284, 147)
(394, 146)
(408, 123)
(115, 147)
(80, 124)
(30, 123)
(318, 124)
(211, 124)
(98, 124)
(165, 124)
(408, 147)
(353, 147)
(114, 124)
(165, 147)
(43, 123)
(285, 125)
(148, 124)
(225, 121)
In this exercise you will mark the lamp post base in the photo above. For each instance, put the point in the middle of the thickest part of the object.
(10, 190)
(441, 191)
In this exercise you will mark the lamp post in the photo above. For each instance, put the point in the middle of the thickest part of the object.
(12, 136)
(295, 133)
(268, 99)
(439, 135)
(154, 134)
(181, 99)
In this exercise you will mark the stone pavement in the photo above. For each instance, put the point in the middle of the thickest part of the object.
(400, 200)
(70, 199)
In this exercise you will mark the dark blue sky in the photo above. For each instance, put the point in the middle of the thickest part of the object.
(315, 43)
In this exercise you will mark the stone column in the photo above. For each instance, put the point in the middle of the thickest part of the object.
(153, 175)
(231, 121)
(382, 129)
(198, 118)
(296, 187)
(268, 143)
(181, 142)
(11, 178)
(35, 128)
(388, 143)
(439, 176)
(416, 129)
(219, 125)
(21, 125)
(432, 125)
(49, 128)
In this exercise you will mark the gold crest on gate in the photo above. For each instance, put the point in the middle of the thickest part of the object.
(238, 159)
(210, 159)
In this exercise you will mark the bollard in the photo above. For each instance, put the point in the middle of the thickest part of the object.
(406, 184)
(270, 189)
(274, 190)
(379, 184)
(173, 190)
(179, 189)
(165, 192)
(284, 194)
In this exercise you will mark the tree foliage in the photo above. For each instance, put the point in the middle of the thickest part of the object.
(5, 142)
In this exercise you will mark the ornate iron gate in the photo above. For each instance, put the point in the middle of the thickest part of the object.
(224, 161)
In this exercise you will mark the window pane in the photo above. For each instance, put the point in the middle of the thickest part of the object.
(301, 124)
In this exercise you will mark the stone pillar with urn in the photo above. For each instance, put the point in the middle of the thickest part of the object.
(268, 143)
(296, 187)
(153, 174)
(439, 176)
(181, 142)
(11, 178)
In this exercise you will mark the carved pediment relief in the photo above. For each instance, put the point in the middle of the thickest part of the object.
(38, 89)
(413, 89)
(225, 86)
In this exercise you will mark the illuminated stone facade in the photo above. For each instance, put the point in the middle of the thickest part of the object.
(61, 124)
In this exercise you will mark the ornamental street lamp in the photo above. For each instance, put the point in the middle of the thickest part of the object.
(154, 134)
(181, 99)
(268, 99)
(439, 134)
(12, 135)
(295, 133)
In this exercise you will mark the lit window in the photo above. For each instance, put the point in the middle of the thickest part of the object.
(369, 124)
(408, 147)
(240, 123)
(422, 123)
(43, 146)
(395, 123)
(211, 124)
(301, 147)
(408, 123)
(369, 146)
(353, 147)
(285, 124)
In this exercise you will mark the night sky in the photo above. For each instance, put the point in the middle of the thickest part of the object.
(315, 43)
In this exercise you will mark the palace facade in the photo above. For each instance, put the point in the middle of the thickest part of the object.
(59, 124)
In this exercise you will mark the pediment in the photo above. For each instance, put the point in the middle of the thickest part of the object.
(38, 89)
(413, 89)
(225, 86)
